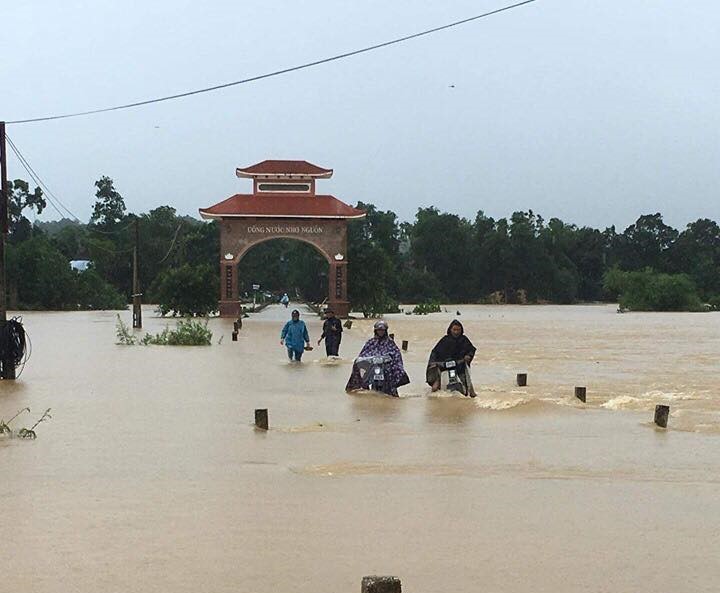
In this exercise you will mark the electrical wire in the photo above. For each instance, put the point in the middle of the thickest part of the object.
(93, 244)
(276, 72)
(52, 198)
(30, 172)
(172, 244)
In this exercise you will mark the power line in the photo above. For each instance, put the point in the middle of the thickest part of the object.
(172, 244)
(52, 198)
(32, 175)
(93, 244)
(276, 72)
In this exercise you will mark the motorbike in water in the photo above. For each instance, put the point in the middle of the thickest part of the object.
(374, 373)
(455, 379)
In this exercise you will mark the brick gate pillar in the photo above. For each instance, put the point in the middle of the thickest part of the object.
(337, 287)
(229, 304)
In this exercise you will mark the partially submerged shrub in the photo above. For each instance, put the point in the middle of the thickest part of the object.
(123, 333)
(187, 332)
(380, 306)
(29, 433)
(425, 308)
(647, 290)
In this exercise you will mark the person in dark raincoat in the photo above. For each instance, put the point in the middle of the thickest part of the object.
(294, 336)
(332, 333)
(456, 346)
(381, 345)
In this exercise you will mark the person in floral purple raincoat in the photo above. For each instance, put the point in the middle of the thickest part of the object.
(381, 345)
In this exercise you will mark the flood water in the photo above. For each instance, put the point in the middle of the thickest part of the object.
(151, 478)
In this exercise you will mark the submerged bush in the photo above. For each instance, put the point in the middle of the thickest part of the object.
(187, 332)
(425, 308)
(648, 290)
(124, 335)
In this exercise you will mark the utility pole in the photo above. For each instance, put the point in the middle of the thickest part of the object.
(137, 310)
(7, 367)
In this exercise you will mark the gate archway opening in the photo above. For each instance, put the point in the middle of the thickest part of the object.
(284, 265)
(283, 205)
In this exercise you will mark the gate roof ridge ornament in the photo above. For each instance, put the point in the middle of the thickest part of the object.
(282, 168)
(283, 198)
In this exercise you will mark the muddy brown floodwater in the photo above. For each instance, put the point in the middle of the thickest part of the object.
(150, 477)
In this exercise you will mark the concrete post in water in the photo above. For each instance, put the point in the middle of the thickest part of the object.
(580, 393)
(261, 418)
(234, 336)
(376, 584)
(405, 345)
(521, 379)
(661, 415)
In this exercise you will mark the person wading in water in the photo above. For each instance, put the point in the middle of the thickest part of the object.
(456, 346)
(332, 333)
(294, 336)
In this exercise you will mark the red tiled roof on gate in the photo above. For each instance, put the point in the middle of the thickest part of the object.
(284, 168)
(281, 206)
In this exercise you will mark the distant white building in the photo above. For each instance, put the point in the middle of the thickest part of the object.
(79, 264)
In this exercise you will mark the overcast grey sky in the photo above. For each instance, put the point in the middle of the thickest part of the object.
(591, 111)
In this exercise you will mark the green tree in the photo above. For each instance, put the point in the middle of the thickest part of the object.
(187, 290)
(21, 198)
(94, 293)
(494, 259)
(697, 253)
(647, 290)
(109, 208)
(71, 241)
(645, 244)
(588, 255)
(373, 260)
(40, 276)
(441, 244)
(112, 258)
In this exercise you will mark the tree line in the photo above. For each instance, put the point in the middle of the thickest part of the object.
(526, 259)
(438, 257)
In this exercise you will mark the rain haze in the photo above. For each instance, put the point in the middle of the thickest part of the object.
(593, 112)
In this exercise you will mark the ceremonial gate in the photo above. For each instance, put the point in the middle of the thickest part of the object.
(283, 205)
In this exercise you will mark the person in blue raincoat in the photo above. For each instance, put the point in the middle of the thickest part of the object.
(294, 336)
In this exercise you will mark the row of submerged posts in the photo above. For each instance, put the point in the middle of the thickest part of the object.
(662, 412)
